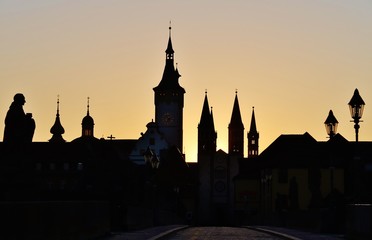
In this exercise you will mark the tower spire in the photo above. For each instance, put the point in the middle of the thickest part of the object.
(253, 127)
(57, 130)
(207, 135)
(236, 130)
(253, 137)
(87, 123)
(169, 100)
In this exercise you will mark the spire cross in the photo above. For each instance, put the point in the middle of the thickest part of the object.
(111, 137)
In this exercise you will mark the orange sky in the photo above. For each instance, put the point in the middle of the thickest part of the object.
(293, 60)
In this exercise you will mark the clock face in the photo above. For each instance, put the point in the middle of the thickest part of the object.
(167, 119)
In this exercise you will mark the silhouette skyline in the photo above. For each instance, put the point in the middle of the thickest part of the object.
(292, 61)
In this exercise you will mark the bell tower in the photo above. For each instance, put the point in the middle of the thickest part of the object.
(236, 130)
(169, 101)
(253, 137)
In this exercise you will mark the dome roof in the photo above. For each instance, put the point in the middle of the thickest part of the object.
(87, 121)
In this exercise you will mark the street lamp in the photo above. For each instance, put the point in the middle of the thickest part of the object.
(356, 106)
(331, 124)
(151, 158)
(148, 155)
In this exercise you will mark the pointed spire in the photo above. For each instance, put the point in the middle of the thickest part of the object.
(205, 116)
(206, 132)
(253, 137)
(236, 119)
(57, 130)
(236, 130)
(169, 80)
(206, 119)
(253, 128)
(169, 47)
(212, 120)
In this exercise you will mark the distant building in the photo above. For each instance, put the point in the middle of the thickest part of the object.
(111, 170)
(217, 169)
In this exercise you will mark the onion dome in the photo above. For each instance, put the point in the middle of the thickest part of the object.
(57, 130)
(87, 124)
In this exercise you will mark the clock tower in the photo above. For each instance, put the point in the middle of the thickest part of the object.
(169, 102)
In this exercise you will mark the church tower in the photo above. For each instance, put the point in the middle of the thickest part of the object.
(87, 124)
(57, 130)
(207, 135)
(169, 101)
(253, 136)
(236, 131)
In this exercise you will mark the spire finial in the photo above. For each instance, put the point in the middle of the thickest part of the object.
(88, 107)
(170, 28)
(206, 91)
(58, 104)
(236, 91)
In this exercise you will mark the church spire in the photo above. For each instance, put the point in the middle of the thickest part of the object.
(205, 119)
(253, 128)
(169, 51)
(57, 130)
(169, 101)
(253, 137)
(171, 75)
(207, 135)
(236, 130)
(236, 119)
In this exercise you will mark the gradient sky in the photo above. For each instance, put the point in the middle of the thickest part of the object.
(292, 60)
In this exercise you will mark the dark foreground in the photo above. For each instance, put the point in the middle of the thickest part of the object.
(219, 233)
(180, 232)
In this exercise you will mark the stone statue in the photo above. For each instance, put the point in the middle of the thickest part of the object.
(19, 127)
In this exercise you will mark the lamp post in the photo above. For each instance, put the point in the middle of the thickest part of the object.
(151, 158)
(331, 124)
(148, 155)
(356, 106)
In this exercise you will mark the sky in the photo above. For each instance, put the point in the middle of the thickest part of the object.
(293, 60)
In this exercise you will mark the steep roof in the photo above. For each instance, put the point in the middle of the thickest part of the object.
(171, 75)
(236, 118)
(253, 128)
